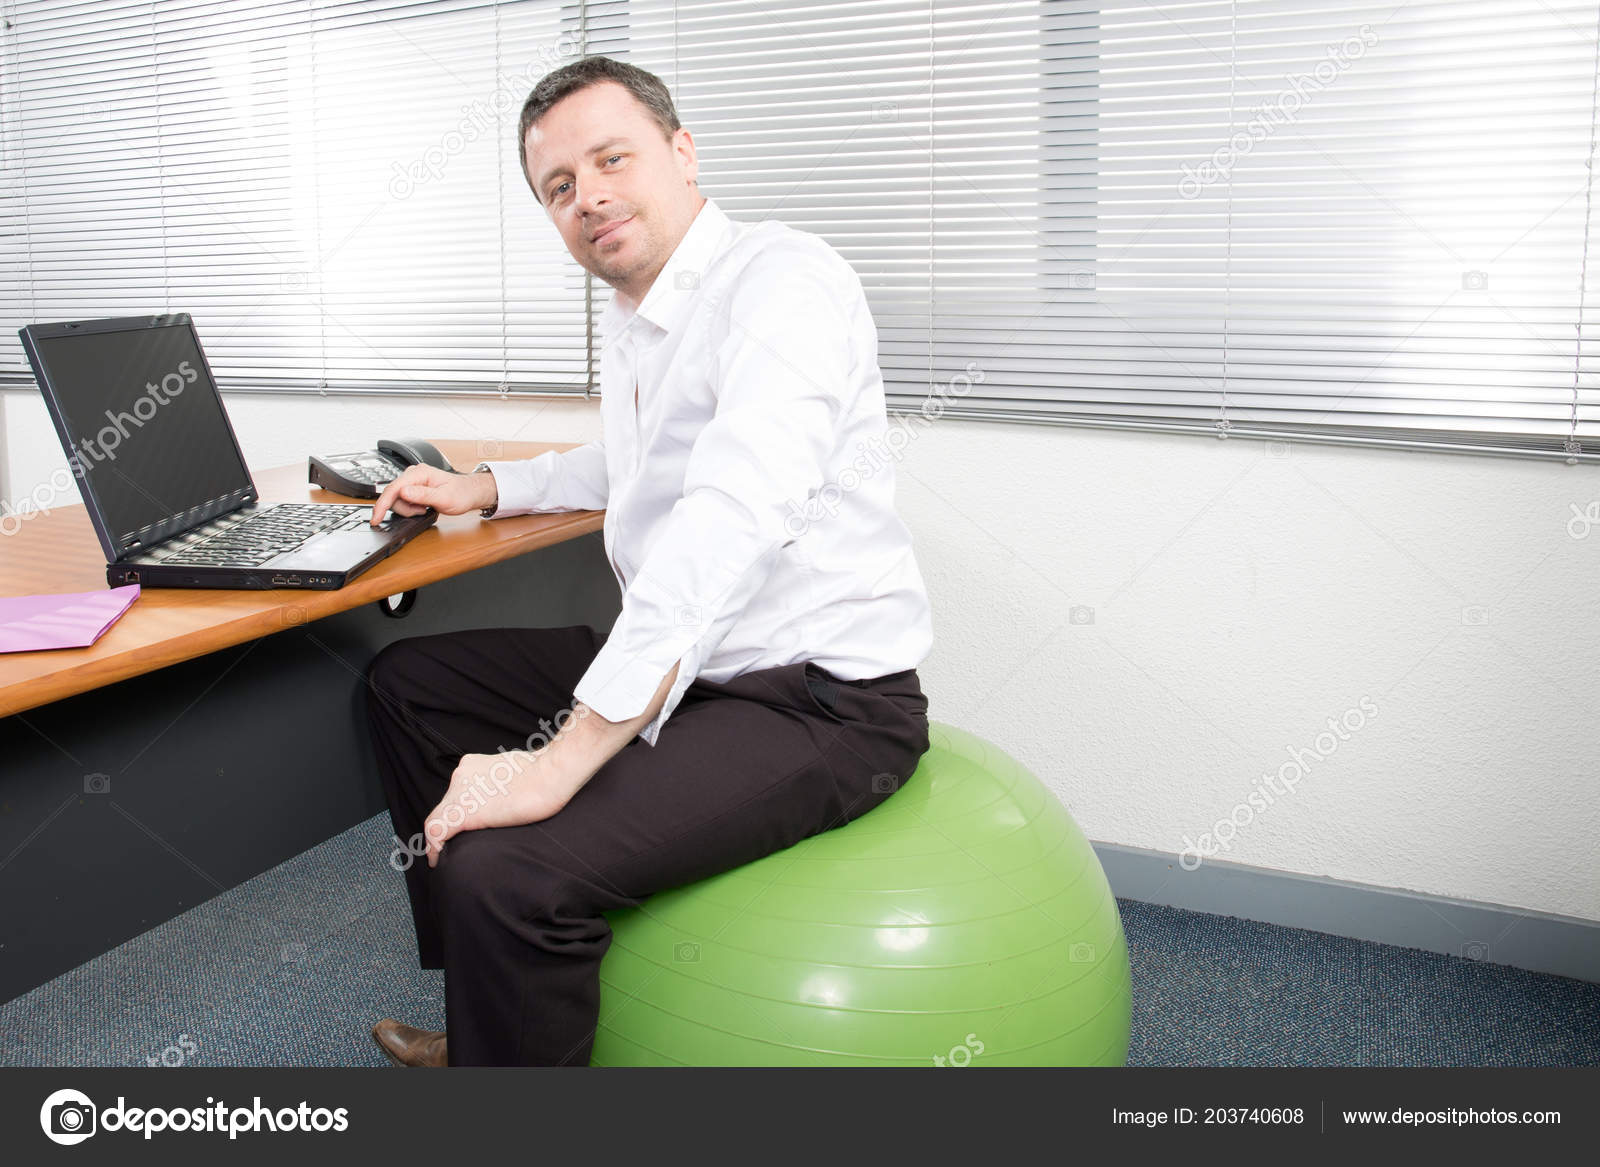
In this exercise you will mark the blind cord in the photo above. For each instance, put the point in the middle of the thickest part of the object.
(1223, 424)
(500, 209)
(588, 277)
(1573, 446)
(22, 168)
(161, 168)
(316, 216)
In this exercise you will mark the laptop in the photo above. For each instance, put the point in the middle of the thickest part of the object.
(162, 475)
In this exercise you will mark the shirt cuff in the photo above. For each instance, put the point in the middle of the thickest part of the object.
(619, 685)
(520, 485)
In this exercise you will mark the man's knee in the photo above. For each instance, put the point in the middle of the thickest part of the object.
(494, 868)
(396, 669)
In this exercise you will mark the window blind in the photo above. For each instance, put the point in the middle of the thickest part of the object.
(1358, 218)
(1352, 221)
(330, 189)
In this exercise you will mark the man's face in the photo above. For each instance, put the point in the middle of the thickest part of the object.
(597, 159)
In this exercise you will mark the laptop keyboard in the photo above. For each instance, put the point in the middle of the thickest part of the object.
(252, 541)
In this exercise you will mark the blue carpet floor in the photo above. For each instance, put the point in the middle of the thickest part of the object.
(293, 967)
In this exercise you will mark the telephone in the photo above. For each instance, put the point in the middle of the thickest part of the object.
(366, 473)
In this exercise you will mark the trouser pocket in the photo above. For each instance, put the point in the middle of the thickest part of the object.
(824, 691)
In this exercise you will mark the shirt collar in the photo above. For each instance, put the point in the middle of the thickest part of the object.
(670, 296)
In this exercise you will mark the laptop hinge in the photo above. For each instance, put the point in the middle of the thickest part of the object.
(160, 532)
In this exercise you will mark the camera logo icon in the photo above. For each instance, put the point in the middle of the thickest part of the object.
(686, 950)
(1080, 614)
(686, 281)
(68, 1117)
(97, 783)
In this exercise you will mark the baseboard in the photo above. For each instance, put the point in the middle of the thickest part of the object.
(1566, 946)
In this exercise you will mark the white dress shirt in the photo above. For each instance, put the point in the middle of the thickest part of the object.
(749, 504)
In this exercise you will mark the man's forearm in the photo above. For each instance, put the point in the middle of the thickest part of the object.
(552, 481)
(588, 741)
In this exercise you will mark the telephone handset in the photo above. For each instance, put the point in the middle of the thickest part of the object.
(366, 473)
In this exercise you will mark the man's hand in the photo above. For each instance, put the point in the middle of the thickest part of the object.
(420, 487)
(507, 789)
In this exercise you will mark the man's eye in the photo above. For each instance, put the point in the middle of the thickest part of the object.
(613, 158)
(558, 190)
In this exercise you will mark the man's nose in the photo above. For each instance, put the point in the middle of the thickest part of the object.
(591, 197)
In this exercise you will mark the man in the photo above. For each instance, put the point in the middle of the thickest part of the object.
(759, 685)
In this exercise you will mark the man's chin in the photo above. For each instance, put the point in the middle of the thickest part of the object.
(614, 273)
(610, 275)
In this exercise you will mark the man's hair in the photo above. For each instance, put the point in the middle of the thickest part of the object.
(647, 89)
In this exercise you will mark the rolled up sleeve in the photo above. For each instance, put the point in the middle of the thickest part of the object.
(557, 480)
(779, 371)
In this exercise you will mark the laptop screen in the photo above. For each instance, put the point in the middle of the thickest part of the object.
(148, 433)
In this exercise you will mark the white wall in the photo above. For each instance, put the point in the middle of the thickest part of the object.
(1242, 596)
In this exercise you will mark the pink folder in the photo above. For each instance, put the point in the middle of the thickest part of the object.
(65, 620)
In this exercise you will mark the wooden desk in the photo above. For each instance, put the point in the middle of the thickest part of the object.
(212, 734)
(58, 552)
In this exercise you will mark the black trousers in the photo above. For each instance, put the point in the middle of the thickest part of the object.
(513, 914)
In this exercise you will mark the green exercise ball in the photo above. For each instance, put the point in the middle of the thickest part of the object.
(963, 921)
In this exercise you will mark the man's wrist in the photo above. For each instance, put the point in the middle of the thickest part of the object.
(494, 490)
(584, 743)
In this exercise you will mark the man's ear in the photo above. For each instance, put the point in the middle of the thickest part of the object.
(683, 144)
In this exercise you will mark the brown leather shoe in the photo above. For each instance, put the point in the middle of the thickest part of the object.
(405, 1045)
